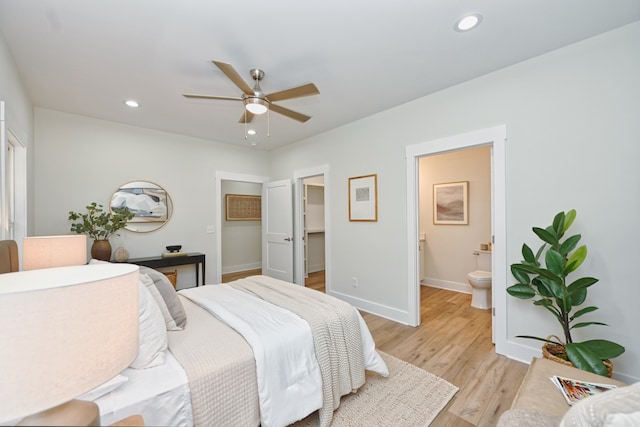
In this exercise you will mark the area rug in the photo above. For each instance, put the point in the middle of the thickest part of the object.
(408, 397)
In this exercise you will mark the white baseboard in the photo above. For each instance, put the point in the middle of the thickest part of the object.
(316, 267)
(374, 308)
(444, 284)
(241, 267)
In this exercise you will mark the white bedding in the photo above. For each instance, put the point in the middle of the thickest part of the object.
(211, 376)
(160, 394)
(286, 365)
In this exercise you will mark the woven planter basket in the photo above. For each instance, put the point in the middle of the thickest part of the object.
(556, 352)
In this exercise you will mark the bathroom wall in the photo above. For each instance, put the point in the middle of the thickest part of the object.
(448, 254)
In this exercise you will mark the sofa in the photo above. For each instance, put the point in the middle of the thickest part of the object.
(538, 402)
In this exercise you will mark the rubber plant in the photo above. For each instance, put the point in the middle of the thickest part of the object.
(551, 289)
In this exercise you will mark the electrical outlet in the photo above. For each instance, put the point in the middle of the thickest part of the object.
(354, 282)
(211, 229)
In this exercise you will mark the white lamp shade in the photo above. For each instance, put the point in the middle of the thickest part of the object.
(53, 251)
(64, 331)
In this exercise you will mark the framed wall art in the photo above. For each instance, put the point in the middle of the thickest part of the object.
(149, 202)
(451, 203)
(243, 207)
(363, 198)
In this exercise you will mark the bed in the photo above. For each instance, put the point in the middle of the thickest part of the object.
(257, 351)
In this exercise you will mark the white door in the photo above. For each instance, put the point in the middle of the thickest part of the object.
(277, 230)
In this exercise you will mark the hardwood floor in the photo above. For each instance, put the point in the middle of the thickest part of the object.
(453, 341)
(230, 277)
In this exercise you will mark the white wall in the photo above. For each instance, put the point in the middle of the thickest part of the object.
(80, 160)
(241, 240)
(572, 122)
(449, 248)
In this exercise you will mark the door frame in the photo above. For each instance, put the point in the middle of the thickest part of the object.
(13, 225)
(298, 223)
(227, 176)
(495, 137)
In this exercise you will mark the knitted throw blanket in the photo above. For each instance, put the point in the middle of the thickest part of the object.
(336, 335)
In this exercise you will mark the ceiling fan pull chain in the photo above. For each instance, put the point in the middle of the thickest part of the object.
(245, 123)
(268, 123)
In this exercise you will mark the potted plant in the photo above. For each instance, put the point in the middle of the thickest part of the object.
(552, 290)
(100, 225)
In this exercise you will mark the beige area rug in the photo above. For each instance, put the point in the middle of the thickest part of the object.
(408, 397)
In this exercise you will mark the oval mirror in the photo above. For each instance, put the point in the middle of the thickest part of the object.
(150, 203)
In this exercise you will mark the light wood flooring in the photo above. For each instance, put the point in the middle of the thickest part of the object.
(453, 341)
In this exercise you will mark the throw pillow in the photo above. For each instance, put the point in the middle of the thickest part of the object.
(168, 293)
(169, 321)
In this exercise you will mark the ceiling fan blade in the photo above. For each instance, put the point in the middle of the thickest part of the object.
(234, 76)
(289, 113)
(224, 98)
(296, 92)
(249, 117)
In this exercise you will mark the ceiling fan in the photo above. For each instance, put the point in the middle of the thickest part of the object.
(255, 100)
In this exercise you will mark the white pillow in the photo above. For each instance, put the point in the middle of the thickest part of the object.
(617, 407)
(152, 339)
(623, 420)
(151, 287)
(104, 388)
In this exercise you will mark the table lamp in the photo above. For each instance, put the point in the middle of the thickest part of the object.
(64, 331)
(53, 251)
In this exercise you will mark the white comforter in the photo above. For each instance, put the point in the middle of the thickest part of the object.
(286, 366)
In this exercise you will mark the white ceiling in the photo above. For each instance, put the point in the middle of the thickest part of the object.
(88, 56)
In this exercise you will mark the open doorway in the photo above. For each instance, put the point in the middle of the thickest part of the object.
(495, 138)
(241, 235)
(312, 228)
(314, 242)
(455, 231)
(228, 180)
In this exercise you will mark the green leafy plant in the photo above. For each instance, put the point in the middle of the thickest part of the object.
(99, 224)
(551, 289)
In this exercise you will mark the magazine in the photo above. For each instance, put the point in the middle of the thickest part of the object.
(576, 390)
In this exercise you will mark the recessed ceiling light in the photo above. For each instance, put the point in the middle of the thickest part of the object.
(131, 103)
(251, 132)
(468, 22)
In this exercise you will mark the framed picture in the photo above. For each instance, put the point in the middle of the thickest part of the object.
(451, 203)
(148, 201)
(363, 198)
(243, 207)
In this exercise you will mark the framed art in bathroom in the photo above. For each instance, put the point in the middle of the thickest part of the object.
(451, 203)
(363, 198)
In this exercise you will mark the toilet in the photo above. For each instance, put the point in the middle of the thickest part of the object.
(480, 280)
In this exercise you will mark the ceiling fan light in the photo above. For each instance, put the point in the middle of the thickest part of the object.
(256, 105)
